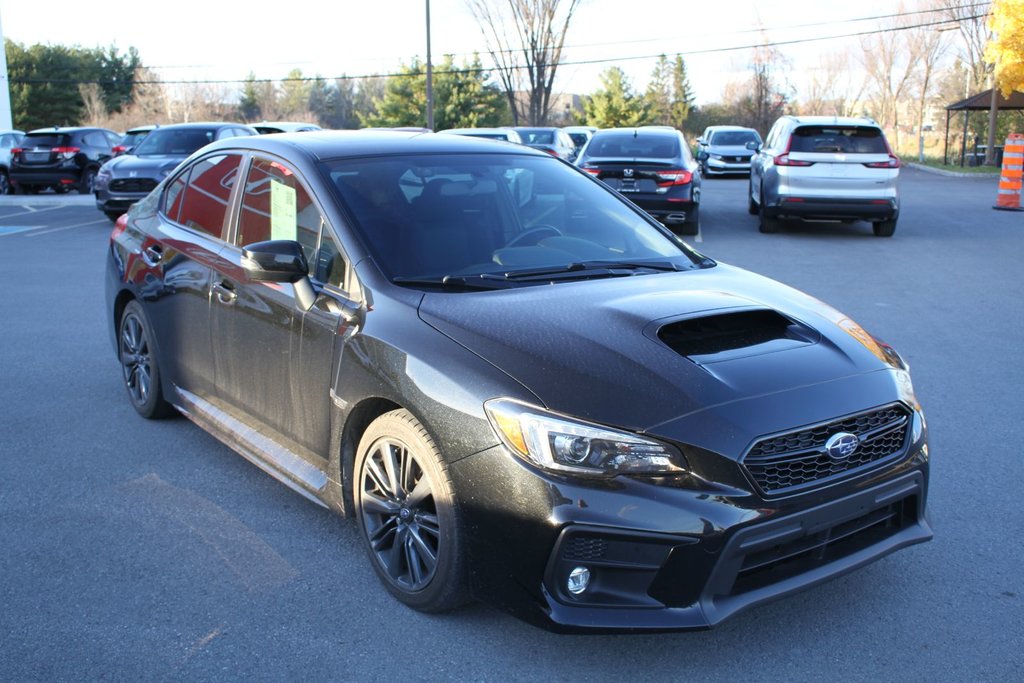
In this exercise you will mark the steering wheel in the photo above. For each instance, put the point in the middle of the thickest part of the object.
(533, 236)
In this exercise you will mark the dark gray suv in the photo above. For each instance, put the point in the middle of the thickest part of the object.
(61, 158)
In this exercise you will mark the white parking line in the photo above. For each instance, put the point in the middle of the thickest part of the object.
(29, 209)
(37, 233)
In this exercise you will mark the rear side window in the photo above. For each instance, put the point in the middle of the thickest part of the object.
(201, 202)
(845, 140)
(634, 146)
(46, 140)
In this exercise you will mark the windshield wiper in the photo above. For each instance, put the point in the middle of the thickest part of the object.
(587, 269)
(455, 282)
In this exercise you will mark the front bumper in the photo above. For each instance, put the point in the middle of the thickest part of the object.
(669, 557)
(110, 202)
(718, 166)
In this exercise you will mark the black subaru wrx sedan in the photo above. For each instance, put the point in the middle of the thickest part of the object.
(524, 389)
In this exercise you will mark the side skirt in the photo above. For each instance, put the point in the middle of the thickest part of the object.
(285, 465)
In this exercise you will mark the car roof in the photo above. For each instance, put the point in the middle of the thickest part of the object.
(66, 129)
(664, 131)
(717, 128)
(203, 125)
(833, 121)
(141, 129)
(340, 144)
(459, 131)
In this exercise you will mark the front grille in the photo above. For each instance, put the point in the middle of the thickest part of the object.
(794, 460)
(132, 185)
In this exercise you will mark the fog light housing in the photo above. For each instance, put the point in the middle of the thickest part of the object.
(579, 580)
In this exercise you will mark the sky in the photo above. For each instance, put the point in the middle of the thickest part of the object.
(191, 40)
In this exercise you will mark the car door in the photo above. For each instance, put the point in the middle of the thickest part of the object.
(275, 360)
(173, 266)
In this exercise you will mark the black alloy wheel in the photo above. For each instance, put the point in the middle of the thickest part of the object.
(139, 365)
(406, 509)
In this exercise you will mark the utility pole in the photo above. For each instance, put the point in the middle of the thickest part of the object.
(430, 77)
(5, 86)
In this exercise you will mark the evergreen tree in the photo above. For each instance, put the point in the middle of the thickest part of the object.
(682, 94)
(295, 92)
(659, 93)
(462, 98)
(615, 104)
(248, 104)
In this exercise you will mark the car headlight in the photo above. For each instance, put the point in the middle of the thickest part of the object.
(716, 156)
(563, 444)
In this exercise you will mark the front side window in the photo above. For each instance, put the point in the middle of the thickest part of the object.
(432, 216)
(201, 201)
(276, 206)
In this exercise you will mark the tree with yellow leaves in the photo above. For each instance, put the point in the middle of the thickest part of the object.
(1006, 48)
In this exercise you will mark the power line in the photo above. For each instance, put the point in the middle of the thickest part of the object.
(584, 62)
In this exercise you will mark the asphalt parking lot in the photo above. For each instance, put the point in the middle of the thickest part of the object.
(135, 550)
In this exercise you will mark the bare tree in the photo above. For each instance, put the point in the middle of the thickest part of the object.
(925, 48)
(890, 71)
(835, 88)
(525, 40)
(971, 17)
(92, 101)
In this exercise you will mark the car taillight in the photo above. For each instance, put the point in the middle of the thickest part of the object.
(892, 162)
(120, 225)
(669, 178)
(552, 152)
(784, 160)
(119, 149)
(17, 150)
(66, 152)
(593, 171)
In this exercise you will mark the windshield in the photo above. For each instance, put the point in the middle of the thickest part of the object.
(736, 138)
(633, 146)
(537, 136)
(180, 142)
(427, 217)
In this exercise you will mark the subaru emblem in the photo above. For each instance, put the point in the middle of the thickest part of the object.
(842, 445)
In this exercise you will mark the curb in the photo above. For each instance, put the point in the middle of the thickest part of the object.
(950, 174)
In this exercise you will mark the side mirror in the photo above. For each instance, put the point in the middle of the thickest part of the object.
(701, 141)
(275, 261)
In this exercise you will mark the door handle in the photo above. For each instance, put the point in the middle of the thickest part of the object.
(152, 255)
(225, 291)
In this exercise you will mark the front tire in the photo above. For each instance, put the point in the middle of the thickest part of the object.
(407, 511)
(139, 367)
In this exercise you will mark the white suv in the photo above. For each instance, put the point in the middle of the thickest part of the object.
(825, 168)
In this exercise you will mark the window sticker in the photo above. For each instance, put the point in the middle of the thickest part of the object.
(282, 212)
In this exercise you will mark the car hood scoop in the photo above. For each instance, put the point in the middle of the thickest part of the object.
(639, 351)
(723, 336)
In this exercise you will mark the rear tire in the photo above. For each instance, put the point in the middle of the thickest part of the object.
(765, 223)
(884, 228)
(408, 514)
(5, 183)
(139, 367)
(692, 224)
(88, 182)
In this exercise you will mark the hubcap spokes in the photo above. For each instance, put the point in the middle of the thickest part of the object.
(135, 359)
(399, 515)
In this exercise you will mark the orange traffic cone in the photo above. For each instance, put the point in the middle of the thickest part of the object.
(1008, 198)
